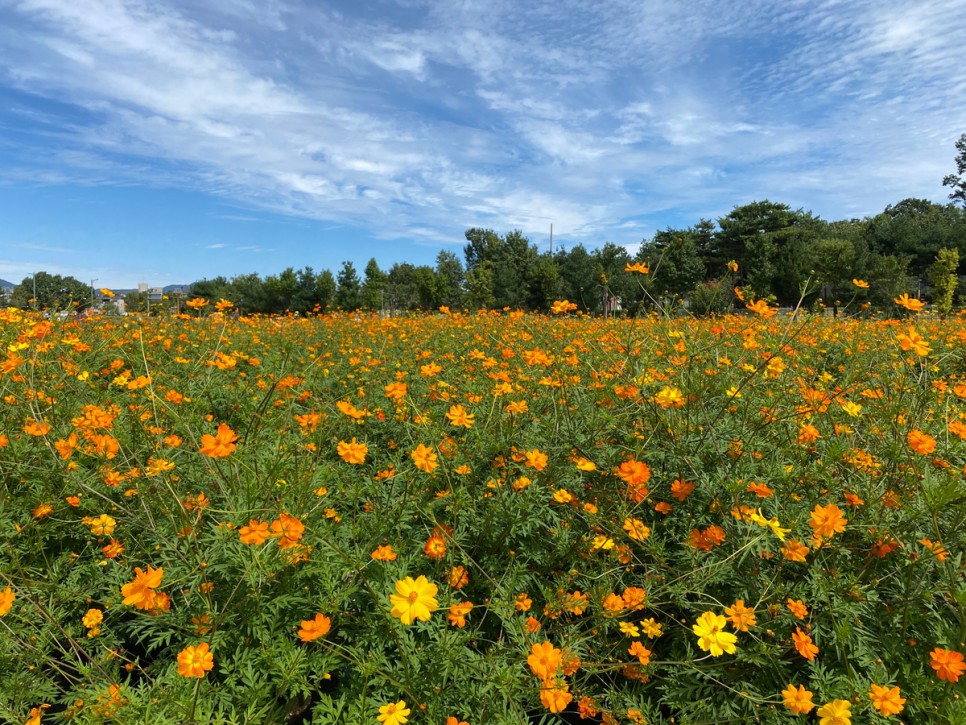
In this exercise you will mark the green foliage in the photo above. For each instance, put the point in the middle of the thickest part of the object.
(944, 279)
(881, 593)
(52, 292)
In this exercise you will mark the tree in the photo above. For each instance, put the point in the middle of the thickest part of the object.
(943, 276)
(45, 291)
(325, 289)
(479, 286)
(833, 262)
(770, 242)
(917, 229)
(348, 288)
(577, 283)
(248, 293)
(450, 278)
(957, 181)
(373, 286)
(675, 266)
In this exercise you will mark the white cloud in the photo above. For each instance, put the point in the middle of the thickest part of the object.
(448, 115)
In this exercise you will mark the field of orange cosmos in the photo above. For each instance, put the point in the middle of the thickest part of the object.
(482, 518)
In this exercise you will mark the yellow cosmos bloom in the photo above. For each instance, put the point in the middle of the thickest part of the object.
(837, 712)
(394, 713)
(711, 635)
(414, 599)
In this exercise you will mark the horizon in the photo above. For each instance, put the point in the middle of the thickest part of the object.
(169, 142)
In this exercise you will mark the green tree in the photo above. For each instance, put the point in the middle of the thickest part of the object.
(834, 264)
(944, 279)
(957, 181)
(325, 289)
(53, 292)
(451, 278)
(674, 262)
(348, 288)
(770, 242)
(917, 229)
(577, 282)
(280, 291)
(544, 283)
(479, 286)
(248, 293)
(373, 286)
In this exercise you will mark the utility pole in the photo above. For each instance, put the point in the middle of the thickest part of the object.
(551, 240)
(92, 293)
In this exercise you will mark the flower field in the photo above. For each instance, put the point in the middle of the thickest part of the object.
(492, 518)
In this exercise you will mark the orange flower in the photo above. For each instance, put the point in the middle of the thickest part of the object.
(195, 661)
(458, 577)
(353, 452)
(636, 529)
(544, 660)
(315, 628)
(254, 533)
(914, 342)
(910, 303)
(803, 643)
(740, 616)
(681, 489)
(6, 600)
(760, 307)
(827, 520)
(635, 474)
(948, 664)
(457, 614)
(459, 416)
(886, 700)
(562, 306)
(140, 591)
(219, 445)
(798, 608)
(383, 553)
(642, 653)
(535, 459)
(435, 547)
(798, 700)
(288, 529)
(33, 428)
(638, 267)
(921, 443)
(794, 550)
(556, 698)
(424, 458)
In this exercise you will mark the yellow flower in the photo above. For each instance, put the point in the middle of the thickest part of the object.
(860, 283)
(414, 599)
(395, 713)
(711, 635)
(837, 712)
(562, 306)
(639, 268)
(93, 618)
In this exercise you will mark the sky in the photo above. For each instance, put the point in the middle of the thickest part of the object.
(164, 141)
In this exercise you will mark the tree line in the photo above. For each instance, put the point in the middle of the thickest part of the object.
(764, 250)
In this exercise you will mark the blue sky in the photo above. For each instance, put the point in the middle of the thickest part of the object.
(168, 140)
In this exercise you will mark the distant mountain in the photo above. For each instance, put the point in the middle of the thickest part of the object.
(4, 284)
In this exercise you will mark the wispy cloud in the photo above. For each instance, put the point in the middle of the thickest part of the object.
(431, 117)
